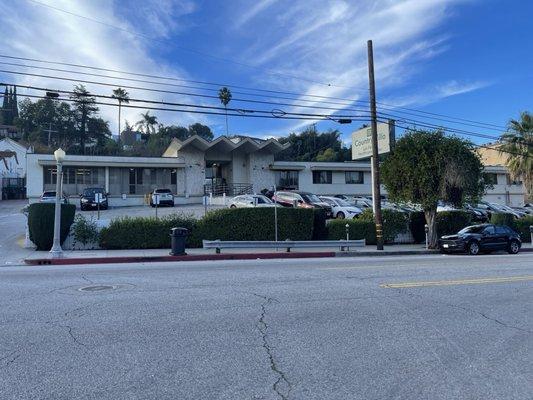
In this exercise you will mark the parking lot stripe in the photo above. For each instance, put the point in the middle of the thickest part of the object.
(458, 282)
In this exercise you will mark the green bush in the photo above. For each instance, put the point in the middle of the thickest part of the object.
(84, 230)
(143, 232)
(394, 222)
(358, 229)
(522, 227)
(417, 222)
(450, 222)
(503, 219)
(254, 224)
(41, 223)
(320, 230)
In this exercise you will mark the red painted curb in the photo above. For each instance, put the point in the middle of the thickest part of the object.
(195, 257)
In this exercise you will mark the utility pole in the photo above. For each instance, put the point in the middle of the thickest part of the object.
(49, 131)
(376, 198)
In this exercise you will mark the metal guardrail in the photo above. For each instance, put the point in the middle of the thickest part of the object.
(286, 244)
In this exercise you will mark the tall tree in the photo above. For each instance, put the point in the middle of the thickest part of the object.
(426, 167)
(85, 107)
(147, 123)
(224, 95)
(122, 96)
(201, 130)
(173, 131)
(517, 147)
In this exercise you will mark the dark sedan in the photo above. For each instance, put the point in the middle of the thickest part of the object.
(88, 199)
(482, 238)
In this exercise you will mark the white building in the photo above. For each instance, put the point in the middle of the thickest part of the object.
(233, 166)
(17, 165)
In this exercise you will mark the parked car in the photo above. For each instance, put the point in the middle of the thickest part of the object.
(341, 208)
(88, 199)
(251, 200)
(49, 196)
(478, 215)
(165, 197)
(482, 238)
(362, 202)
(302, 199)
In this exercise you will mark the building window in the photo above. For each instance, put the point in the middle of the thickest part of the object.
(173, 177)
(321, 177)
(491, 178)
(354, 177)
(287, 180)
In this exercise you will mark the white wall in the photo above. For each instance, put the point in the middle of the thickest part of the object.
(16, 167)
(194, 172)
(261, 177)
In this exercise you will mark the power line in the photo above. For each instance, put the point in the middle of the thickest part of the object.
(220, 59)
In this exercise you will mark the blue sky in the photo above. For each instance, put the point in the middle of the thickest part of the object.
(466, 58)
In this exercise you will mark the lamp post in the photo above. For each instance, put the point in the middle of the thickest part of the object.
(56, 250)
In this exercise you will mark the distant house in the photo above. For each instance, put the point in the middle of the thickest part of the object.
(10, 131)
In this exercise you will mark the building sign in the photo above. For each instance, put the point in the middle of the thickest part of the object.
(362, 140)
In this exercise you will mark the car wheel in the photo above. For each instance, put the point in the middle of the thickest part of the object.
(473, 248)
(340, 215)
(514, 247)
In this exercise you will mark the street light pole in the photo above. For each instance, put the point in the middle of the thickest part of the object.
(56, 251)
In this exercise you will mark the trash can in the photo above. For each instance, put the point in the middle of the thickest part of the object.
(178, 237)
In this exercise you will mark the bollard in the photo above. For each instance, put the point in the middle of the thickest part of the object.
(426, 230)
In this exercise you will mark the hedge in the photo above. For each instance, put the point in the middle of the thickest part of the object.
(519, 225)
(358, 229)
(320, 230)
(394, 222)
(143, 232)
(451, 222)
(41, 218)
(503, 219)
(417, 222)
(255, 224)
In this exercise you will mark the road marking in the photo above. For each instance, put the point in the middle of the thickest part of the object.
(458, 282)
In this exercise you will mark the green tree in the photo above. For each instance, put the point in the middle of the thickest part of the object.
(173, 131)
(201, 130)
(517, 147)
(426, 167)
(147, 123)
(311, 145)
(85, 107)
(327, 155)
(224, 95)
(122, 96)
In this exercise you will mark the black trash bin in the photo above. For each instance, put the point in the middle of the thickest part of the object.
(178, 237)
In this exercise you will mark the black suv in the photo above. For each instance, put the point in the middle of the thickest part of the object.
(301, 199)
(88, 199)
(482, 238)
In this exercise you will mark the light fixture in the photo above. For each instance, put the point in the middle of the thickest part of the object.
(59, 155)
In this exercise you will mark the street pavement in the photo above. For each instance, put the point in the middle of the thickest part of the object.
(407, 327)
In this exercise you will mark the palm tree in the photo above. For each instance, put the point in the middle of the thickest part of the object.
(147, 123)
(518, 149)
(123, 97)
(224, 95)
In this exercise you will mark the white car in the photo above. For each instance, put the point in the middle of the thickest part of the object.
(341, 208)
(251, 200)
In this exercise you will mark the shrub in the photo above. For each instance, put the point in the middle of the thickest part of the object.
(450, 222)
(358, 229)
(394, 222)
(254, 224)
(503, 219)
(320, 230)
(143, 232)
(417, 222)
(41, 223)
(84, 231)
(522, 227)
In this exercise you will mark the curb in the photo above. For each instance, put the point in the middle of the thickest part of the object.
(385, 253)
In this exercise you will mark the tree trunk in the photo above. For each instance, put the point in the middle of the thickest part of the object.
(431, 221)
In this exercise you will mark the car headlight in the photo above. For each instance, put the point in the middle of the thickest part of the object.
(84, 200)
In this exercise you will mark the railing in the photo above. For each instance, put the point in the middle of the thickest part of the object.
(234, 189)
(285, 244)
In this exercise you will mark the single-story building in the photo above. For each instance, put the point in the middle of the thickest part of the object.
(227, 165)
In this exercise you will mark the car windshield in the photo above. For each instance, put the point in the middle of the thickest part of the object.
(343, 203)
(472, 229)
(49, 194)
(311, 198)
(263, 200)
(162, 191)
(92, 191)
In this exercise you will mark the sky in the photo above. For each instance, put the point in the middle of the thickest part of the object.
(467, 59)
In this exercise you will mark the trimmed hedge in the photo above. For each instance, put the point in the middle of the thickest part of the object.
(320, 230)
(394, 222)
(417, 222)
(143, 232)
(503, 219)
(255, 224)
(41, 223)
(451, 222)
(522, 227)
(359, 229)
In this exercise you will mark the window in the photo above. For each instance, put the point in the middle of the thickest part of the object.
(491, 178)
(320, 177)
(489, 230)
(354, 177)
(287, 180)
(501, 230)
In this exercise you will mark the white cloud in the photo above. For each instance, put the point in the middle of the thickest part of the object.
(252, 12)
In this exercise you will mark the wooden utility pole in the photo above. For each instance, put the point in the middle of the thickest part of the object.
(376, 198)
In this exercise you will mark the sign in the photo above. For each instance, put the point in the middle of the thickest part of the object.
(362, 140)
(98, 197)
(156, 199)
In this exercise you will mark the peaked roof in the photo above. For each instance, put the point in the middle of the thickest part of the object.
(228, 144)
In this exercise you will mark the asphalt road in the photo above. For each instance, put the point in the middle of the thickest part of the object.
(434, 327)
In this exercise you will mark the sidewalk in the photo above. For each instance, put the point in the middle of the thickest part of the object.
(153, 255)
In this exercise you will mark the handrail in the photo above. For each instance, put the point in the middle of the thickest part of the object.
(286, 244)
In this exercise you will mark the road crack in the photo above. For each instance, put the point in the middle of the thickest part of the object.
(282, 386)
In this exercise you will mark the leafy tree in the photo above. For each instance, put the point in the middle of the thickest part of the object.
(426, 167)
(517, 147)
(224, 95)
(122, 96)
(327, 155)
(201, 130)
(85, 107)
(147, 123)
(174, 131)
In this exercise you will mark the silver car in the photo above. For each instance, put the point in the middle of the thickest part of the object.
(251, 200)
